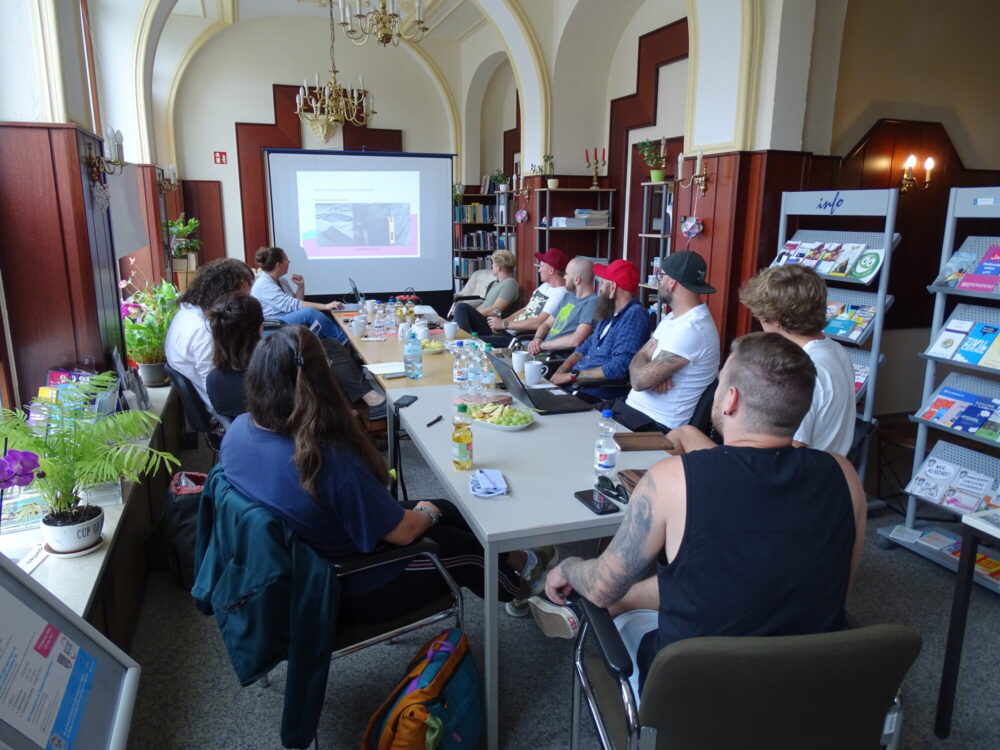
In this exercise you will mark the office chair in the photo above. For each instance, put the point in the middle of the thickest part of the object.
(828, 691)
(276, 599)
(702, 415)
(198, 416)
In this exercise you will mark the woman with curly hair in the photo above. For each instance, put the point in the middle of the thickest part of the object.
(189, 345)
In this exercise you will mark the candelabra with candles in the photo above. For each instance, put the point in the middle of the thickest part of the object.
(383, 23)
(170, 181)
(595, 165)
(700, 176)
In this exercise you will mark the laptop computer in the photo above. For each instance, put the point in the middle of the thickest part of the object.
(545, 401)
(359, 298)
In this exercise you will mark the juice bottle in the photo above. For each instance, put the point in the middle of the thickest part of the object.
(461, 439)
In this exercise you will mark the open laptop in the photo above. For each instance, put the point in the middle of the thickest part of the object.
(359, 298)
(543, 400)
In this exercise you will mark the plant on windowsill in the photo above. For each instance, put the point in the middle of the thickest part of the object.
(183, 244)
(78, 449)
(650, 151)
(146, 315)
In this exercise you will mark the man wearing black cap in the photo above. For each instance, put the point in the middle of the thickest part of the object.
(681, 359)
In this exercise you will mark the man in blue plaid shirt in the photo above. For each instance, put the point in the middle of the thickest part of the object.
(621, 327)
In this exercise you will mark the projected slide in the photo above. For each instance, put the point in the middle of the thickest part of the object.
(359, 214)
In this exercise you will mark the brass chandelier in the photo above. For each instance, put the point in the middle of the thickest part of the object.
(327, 107)
(383, 23)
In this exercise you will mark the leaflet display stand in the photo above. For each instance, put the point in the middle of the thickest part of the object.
(76, 688)
(963, 203)
(876, 203)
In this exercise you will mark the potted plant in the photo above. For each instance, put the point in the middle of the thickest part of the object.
(549, 168)
(500, 180)
(77, 449)
(146, 315)
(183, 245)
(457, 192)
(650, 151)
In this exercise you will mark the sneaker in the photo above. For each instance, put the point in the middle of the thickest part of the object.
(534, 580)
(553, 620)
(517, 608)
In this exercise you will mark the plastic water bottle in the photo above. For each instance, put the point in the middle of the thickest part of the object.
(488, 374)
(413, 359)
(379, 325)
(460, 368)
(605, 449)
(474, 372)
(390, 319)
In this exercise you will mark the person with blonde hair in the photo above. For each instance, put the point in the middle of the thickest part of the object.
(502, 294)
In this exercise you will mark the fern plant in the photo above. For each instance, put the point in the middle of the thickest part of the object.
(78, 449)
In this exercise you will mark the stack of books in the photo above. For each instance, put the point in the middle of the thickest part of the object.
(593, 217)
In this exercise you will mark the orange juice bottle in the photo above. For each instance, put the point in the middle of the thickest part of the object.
(461, 439)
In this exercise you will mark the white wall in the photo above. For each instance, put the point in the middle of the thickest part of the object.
(716, 49)
(74, 64)
(23, 99)
(229, 80)
(498, 115)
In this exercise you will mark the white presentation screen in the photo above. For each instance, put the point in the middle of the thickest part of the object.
(382, 219)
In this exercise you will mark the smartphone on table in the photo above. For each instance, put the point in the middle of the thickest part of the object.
(597, 502)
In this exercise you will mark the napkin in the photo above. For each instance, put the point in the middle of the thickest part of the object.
(487, 483)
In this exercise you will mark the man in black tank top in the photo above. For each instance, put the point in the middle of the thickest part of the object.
(753, 537)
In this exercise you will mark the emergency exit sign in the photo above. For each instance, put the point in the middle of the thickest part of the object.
(219, 157)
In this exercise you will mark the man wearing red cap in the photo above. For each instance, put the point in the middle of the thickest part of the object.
(621, 326)
(545, 300)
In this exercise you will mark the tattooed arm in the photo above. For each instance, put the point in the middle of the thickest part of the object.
(604, 580)
(646, 371)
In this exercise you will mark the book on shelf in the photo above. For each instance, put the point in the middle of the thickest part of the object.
(976, 414)
(861, 373)
(985, 520)
(851, 322)
(786, 252)
(955, 269)
(474, 213)
(903, 533)
(937, 540)
(829, 256)
(867, 264)
(986, 566)
(932, 479)
(985, 275)
(848, 255)
(812, 254)
(950, 338)
(976, 343)
(990, 429)
(991, 358)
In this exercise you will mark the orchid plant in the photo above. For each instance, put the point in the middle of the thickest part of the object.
(146, 315)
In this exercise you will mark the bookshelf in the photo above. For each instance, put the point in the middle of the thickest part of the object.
(481, 225)
(566, 201)
(963, 203)
(654, 236)
(880, 204)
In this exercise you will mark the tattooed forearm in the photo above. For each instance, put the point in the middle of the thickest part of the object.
(606, 579)
(654, 372)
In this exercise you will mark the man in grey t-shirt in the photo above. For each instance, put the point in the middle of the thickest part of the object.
(571, 326)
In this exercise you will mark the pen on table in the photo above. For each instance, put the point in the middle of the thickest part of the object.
(434, 421)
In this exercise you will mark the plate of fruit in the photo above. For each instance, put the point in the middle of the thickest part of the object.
(430, 346)
(501, 417)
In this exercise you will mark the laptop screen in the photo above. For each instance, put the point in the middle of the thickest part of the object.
(358, 296)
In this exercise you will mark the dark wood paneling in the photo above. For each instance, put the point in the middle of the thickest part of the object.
(174, 200)
(660, 47)
(203, 199)
(372, 139)
(251, 138)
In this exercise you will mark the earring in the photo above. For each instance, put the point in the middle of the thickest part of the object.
(726, 413)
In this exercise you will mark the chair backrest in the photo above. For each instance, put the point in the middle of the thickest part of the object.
(859, 442)
(194, 408)
(702, 415)
(830, 690)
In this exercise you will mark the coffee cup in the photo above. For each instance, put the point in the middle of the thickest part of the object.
(450, 329)
(369, 306)
(358, 325)
(533, 372)
(402, 331)
(519, 358)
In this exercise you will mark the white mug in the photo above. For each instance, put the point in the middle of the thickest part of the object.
(450, 329)
(519, 358)
(358, 325)
(369, 306)
(533, 372)
(422, 333)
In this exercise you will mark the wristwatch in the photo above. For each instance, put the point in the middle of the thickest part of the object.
(435, 517)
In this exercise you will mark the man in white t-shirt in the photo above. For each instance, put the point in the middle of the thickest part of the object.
(681, 359)
(791, 300)
(545, 300)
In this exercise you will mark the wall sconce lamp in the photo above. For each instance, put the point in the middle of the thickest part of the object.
(908, 179)
(169, 181)
(98, 164)
(700, 176)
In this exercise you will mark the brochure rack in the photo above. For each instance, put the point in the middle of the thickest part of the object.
(876, 203)
(963, 203)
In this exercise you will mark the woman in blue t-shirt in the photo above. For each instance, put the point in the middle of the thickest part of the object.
(300, 451)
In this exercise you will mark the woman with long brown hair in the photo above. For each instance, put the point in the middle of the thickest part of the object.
(300, 452)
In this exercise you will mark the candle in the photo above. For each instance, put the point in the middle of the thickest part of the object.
(680, 166)
(173, 173)
(663, 147)
(586, 156)
(119, 146)
(604, 153)
(928, 166)
(361, 82)
(522, 181)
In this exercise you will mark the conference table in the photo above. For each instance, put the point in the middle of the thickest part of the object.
(543, 465)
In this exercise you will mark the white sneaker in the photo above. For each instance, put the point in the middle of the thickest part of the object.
(553, 620)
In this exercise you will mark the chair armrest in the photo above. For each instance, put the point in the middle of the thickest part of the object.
(466, 297)
(273, 324)
(384, 554)
(609, 640)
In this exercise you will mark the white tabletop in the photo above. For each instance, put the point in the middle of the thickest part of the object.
(543, 465)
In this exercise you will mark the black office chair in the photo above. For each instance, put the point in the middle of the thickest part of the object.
(210, 425)
(702, 416)
(824, 692)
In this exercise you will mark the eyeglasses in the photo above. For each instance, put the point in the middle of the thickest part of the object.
(615, 491)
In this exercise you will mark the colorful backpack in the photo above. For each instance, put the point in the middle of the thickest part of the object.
(437, 706)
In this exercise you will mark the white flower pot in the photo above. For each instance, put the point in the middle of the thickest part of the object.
(73, 537)
(553, 183)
